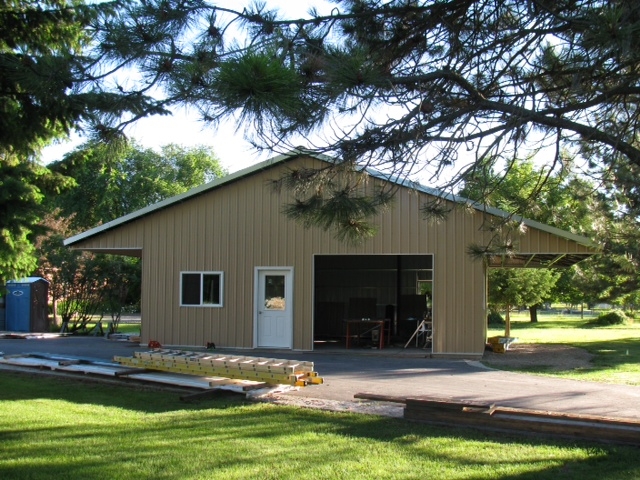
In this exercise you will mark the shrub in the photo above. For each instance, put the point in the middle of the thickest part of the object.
(614, 317)
(494, 318)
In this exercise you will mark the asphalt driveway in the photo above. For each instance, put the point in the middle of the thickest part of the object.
(350, 372)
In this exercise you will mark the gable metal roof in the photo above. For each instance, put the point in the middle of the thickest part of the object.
(302, 152)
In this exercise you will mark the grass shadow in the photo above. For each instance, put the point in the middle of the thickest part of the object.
(17, 386)
(613, 353)
(545, 324)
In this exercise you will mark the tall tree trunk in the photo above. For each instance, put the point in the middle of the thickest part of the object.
(507, 322)
(533, 313)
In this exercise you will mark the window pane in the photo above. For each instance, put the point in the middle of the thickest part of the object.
(190, 289)
(274, 292)
(211, 289)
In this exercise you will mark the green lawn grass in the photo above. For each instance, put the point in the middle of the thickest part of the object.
(71, 429)
(616, 349)
(124, 328)
(129, 328)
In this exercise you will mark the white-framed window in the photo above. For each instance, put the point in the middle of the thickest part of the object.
(201, 289)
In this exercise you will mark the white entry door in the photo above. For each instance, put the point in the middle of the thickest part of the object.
(274, 324)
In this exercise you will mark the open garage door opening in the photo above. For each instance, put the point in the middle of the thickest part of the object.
(373, 301)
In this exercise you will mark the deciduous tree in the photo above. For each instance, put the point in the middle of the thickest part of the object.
(509, 287)
(108, 183)
(111, 182)
(559, 199)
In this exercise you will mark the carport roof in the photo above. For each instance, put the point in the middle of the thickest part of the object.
(536, 260)
(517, 260)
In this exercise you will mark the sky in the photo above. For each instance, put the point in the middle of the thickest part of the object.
(183, 127)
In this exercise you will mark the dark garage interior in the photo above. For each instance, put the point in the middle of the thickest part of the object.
(353, 289)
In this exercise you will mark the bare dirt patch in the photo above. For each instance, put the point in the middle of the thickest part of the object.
(529, 355)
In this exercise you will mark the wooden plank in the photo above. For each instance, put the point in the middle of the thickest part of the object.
(206, 394)
(444, 404)
(471, 407)
(488, 411)
(130, 371)
(571, 416)
(172, 379)
(87, 368)
(182, 376)
(30, 362)
(245, 385)
(516, 420)
(380, 398)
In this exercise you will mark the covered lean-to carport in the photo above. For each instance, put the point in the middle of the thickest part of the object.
(223, 264)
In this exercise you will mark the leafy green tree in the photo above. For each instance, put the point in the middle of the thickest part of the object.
(630, 301)
(83, 285)
(108, 183)
(574, 203)
(560, 199)
(122, 288)
(617, 270)
(52, 76)
(400, 85)
(74, 283)
(19, 196)
(111, 182)
(526, 286)
(572, 288)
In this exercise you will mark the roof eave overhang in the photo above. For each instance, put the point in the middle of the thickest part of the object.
(127, 252)
(536, 260)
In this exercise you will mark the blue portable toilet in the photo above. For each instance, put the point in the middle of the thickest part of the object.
(26, 305)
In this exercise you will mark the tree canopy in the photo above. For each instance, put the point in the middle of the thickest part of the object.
(111, 182)
(441, 87)
(52, 78)
(574, 203)
(49, 85)
(509, 287)
(108, 183)
(401, 85)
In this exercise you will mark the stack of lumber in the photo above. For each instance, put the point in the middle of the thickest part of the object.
(512, 420)
(268, 370)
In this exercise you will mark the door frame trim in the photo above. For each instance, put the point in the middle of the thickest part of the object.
(288, 271)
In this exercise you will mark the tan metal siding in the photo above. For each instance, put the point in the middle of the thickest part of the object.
(537, 241)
